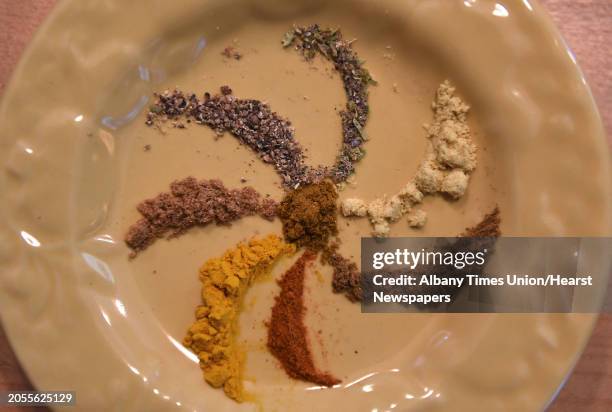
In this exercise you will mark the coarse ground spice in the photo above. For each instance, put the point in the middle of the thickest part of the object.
(487, 227)
(287, 334)
(194, 203)
(482, 236)
(230, 52)
(312, 40)
(346, 277)
(264, 131)
(225, 280)
(251, 121)
(309, 215)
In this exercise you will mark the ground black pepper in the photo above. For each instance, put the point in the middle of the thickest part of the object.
(267, 133)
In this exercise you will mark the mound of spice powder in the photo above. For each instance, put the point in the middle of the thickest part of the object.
(449, 160)
(225, 280)
(313, 40)
(287, 334)
(309, 215)
(193, 203)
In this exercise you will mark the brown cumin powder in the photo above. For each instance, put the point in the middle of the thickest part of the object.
(309, 215)
(287, 334)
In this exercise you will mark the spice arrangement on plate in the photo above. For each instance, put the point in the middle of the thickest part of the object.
(224, 282)
(267, 133)
(309, 211)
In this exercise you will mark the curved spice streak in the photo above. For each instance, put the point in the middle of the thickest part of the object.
(346, 277)
(252, 122)
(287, 335)
(225, 280)
(270, 135)
(310, 40)
(449, 160)
(194, 203)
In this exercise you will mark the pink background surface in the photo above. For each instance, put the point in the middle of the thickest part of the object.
(587, 27)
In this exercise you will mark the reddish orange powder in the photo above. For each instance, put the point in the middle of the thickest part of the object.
(287, 336)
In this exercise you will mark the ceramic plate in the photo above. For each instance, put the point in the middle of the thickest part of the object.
(83, 317)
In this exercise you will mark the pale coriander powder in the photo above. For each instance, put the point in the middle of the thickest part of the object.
(450, 157)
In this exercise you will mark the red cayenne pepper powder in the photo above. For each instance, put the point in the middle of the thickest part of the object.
(287, 336)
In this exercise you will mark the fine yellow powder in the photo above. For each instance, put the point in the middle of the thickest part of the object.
(224, 282)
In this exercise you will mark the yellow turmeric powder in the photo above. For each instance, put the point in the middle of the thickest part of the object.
(224, 282)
